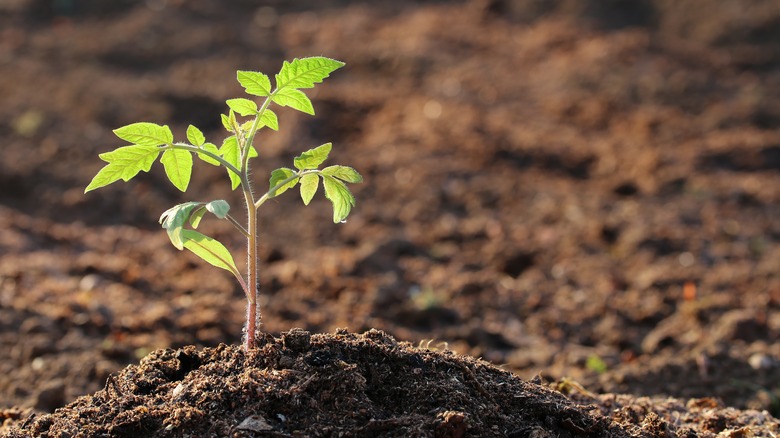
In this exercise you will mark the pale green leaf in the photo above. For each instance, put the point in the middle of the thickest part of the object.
(295, 99)
(255, 83)
(278, 176)
(242, 106)
(178, 167)
(226, 122)
(173, 220)
(218, 208)
(232, 155)
(343, 173)
(196, 216)
(309, 184)
(210, 250)
(145, 134)
(340, 196)
(195, 136)
(123, 163)
(211, 147)
(305, 72)
(312, 158)
(269, 119)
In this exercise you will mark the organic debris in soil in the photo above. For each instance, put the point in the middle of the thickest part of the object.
(346, 384)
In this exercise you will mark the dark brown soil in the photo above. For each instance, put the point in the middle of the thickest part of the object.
(579, 189)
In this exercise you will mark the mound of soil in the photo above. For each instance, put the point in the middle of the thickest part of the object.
(585, 189)
(366, 385)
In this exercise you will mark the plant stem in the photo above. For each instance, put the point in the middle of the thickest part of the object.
(252, 314)
(252, 275)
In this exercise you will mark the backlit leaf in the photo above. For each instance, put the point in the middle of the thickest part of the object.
(279, 175)
(305, 72)
(145, 134)
(343, 173)
(295, 99)
(196, 216)
(312, 158)
(340, 196)
(309, 184)
(269, 119)
(211, 147)
(210, 250)
(195, 136)
(232, 155)
(178, 167)
(255, 83)
(245, 107)
(123, 163)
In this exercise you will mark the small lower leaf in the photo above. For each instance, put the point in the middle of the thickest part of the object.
(173, 220)
(219, 208)
(210, 250)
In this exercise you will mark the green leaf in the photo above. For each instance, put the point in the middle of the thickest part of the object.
(178, 167)
(255, 83)
(245, 107)
(219, 208)
(295, 99)
(211, 147)
(195, 136)
(309, 184)
(232, 155)
(145, 134)
(340, 196)
(210, 250)
(343, 173)
(123, 163)
(196, 216)
(279, 175)
(269, 119)
(173, 220)
(312, 158)
(226, 122)
(305, 72)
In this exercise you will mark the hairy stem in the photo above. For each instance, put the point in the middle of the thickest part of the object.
(252, 314)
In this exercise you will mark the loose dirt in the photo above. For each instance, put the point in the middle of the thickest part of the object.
(587, 192)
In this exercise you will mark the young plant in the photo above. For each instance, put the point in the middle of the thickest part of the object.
(148, 141)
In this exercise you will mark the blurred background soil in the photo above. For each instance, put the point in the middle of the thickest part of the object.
(574, 188)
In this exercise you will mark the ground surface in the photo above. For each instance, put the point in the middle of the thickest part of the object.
(585, 189)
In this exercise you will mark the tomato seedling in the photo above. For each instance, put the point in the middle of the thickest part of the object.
(148, 141)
